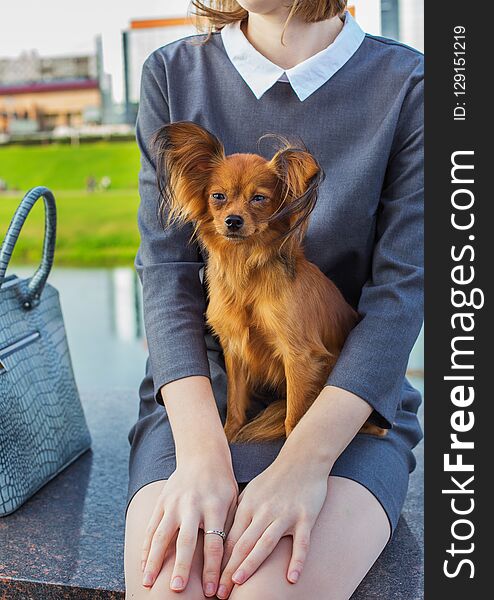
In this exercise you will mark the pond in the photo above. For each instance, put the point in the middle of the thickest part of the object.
(102, 310)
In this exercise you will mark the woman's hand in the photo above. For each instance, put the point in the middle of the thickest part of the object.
(285, 499)
(288, 496)
(200, 494)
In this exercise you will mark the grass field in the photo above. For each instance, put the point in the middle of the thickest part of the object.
(63, 167)
(94, 229)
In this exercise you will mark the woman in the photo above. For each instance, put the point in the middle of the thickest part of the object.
(318, 509)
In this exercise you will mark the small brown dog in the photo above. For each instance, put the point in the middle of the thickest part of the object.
(280, 321)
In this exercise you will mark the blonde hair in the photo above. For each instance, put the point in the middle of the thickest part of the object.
(212, 15)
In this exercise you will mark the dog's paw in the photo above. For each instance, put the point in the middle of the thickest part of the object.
(231, 430)
(371, 429)
(289, 427)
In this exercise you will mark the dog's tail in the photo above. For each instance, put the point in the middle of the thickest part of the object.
(269, 424)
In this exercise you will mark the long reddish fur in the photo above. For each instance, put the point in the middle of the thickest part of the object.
(280, 321)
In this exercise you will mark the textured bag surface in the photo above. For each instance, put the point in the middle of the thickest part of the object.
(42, 424)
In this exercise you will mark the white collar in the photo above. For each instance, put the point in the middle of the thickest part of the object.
(260, 74)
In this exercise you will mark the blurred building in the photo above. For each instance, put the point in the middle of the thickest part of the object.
(402, 20)
(142, 37)
(411, 22)
(398, 19)
(41, 93)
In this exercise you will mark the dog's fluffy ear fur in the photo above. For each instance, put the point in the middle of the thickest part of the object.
(185, 154)
(300, 176)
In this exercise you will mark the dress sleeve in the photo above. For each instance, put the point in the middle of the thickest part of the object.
(166, 262)
(374, 358)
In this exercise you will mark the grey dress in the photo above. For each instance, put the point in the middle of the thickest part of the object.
(365, 126)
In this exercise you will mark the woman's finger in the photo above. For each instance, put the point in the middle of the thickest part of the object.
(241, 520)
(262, 549)
(301, 543)
(213, 552)
(185, 548)
(243, 546)
(241, 495)
(161, 540)
(230, 516)
(153, 523)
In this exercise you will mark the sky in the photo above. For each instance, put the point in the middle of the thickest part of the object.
(65, 27)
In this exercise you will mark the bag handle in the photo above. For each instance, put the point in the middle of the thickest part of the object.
(35, 285)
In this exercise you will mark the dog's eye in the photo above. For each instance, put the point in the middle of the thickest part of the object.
(258, 198)
(218, 196)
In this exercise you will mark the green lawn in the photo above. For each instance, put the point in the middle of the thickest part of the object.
(98, 229)
(94, 229)
(64, 167)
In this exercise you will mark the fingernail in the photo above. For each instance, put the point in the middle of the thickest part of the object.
(238, 576)
(293, 576)
(209, 589)
(177, 583)
(222, 591)
(148, 579)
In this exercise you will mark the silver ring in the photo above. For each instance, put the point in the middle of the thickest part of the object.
(219, 532)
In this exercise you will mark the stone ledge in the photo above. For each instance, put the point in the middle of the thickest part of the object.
(398, 573)
(67, 541)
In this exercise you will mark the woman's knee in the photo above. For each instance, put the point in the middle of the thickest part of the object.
(161, 591)
(340, 553)
(138, 515)
(269, 582)
(161, 588)
(268, 589)
(253, 589)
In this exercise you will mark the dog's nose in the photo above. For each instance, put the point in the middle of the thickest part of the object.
(234, 222)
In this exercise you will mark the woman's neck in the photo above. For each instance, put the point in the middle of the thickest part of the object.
(301, 40)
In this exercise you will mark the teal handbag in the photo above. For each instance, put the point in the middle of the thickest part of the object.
(42, 423)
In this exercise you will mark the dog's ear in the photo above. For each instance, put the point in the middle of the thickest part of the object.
(185, 154)
(300, 176)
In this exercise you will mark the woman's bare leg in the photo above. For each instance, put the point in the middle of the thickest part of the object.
(349, 535)
(138, 515)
